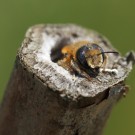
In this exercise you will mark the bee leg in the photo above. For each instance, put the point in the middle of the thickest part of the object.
(78, 70)
(114, 71)
(103, 69)
(105, 62)
(65, 63)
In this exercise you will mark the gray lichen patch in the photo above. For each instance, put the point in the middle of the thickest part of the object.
(40, 51)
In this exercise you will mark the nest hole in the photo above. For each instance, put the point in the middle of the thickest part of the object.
(56, 51)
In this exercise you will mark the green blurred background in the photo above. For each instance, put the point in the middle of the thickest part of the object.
(113, 18)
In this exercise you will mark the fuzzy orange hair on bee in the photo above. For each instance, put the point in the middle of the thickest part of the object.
(84, 58)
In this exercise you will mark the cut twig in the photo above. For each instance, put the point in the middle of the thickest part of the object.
(42, 98)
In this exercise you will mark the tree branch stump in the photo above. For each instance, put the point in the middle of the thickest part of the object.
(42, 98)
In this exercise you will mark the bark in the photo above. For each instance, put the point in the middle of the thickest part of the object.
(42, 98)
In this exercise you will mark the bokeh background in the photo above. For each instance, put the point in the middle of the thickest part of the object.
(113, 18)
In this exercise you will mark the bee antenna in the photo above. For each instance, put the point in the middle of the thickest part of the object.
(108, 52)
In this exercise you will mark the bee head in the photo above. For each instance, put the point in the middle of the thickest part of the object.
(91, 56)
(88, 56)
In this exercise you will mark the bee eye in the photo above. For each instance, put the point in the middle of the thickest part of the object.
(80, 55)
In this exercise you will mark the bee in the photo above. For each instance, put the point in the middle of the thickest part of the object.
(84, 58)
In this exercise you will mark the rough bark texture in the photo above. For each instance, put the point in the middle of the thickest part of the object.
(42, 98)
